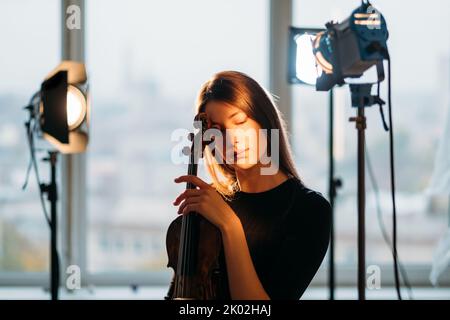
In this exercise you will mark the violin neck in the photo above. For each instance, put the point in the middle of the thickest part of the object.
(193, 166)
(187, 258)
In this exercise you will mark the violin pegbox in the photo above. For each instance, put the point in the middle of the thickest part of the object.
(201, 122)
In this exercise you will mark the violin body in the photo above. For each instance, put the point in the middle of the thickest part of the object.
(194, 245)
(208, 280)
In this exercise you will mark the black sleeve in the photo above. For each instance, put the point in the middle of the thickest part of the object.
(305, 242)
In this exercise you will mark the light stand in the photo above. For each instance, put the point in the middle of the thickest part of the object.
(333, 185)
(59, 113)
(343, 51)
(52, 196)
(361, 98)
(331, 195)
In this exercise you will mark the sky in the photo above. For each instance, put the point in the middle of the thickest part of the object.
(180, 44)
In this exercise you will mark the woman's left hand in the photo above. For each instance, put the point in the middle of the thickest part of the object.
(206, 201)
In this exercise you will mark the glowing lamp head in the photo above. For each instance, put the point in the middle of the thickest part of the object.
(307, 69)
(76, 107)
(302, 63)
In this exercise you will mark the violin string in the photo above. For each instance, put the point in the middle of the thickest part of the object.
(183, 229)
(180, 261)
(187, 230)
(182, 286)
(190, 219)
(186, 236)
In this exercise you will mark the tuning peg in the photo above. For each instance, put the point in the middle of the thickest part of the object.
(191, 136)
(197, 124)
(213, 138)
(199, 119)
(186, 151)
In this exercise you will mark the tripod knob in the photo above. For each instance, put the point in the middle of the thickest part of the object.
(338, 183)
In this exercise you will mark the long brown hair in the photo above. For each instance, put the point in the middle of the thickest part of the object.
(239, 90)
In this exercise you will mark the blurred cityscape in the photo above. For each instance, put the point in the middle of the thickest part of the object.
(135, 109)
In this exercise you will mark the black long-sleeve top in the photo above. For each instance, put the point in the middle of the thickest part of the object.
(287, 230)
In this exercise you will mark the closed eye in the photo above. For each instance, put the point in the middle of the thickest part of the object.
(242, 121)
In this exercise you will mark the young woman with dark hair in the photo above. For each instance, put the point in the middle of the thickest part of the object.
(275, 231)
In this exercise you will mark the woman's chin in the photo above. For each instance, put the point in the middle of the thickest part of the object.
(243, 165)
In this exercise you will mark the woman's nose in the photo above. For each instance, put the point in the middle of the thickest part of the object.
(230, 138)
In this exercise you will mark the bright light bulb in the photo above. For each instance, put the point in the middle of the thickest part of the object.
(76, 107)
(306, 66)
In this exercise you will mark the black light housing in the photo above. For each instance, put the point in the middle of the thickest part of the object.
(64, 107)
(348, 49)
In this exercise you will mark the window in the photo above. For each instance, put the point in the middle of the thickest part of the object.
(27, 55)
(420, 101)
(146, 63)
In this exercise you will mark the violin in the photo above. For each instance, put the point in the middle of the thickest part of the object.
(194, 245)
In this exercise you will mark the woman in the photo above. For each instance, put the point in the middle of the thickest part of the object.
(275, 231)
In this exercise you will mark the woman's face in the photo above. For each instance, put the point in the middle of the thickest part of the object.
(240, 146)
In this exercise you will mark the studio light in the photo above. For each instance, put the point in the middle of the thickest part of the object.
(341, 54)
(348, 49)
(343, 50)
(64, 108)
(58, 113)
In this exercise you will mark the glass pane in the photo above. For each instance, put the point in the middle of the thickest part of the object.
(146, 62)
(420, 94)
(26, 57)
